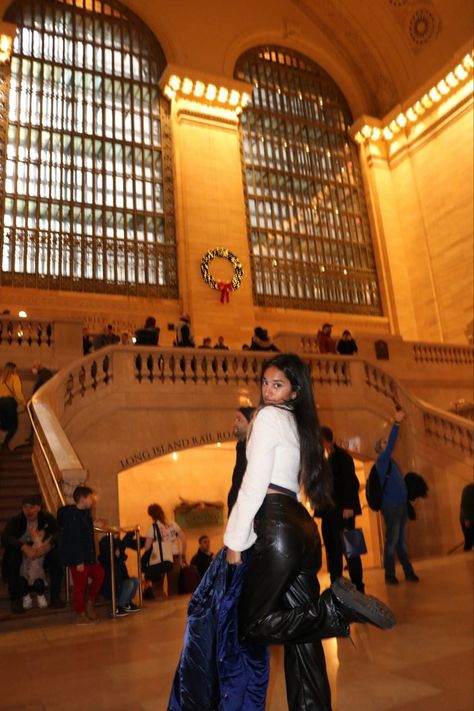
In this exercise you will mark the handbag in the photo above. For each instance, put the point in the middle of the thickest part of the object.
(158, 559)
(188, 580)
(353, 542)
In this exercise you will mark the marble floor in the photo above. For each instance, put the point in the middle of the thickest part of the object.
(424, 664)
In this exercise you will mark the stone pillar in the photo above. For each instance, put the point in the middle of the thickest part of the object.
(389, 242)
(211, 211)
(67, 344)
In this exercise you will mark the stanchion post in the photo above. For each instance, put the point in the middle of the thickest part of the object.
(139, 567)
(112, 571)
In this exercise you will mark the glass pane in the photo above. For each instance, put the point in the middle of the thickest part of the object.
(305, 225)
(84, 123)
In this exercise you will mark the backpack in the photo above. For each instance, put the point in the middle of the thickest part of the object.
(374, 490)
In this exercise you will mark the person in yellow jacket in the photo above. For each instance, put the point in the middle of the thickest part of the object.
(11, 395)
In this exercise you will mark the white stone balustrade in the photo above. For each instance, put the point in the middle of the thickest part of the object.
(126, 404)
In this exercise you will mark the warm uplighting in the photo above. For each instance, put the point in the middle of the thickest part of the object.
(222, 95)
(205, 94)
(370, 130)
(211, 92)
(174, 456)
(401, 120)
(199, 89)
(6, 45)
(22, 314)
(187, 86)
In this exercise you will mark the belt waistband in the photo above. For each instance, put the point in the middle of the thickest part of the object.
(283, 490)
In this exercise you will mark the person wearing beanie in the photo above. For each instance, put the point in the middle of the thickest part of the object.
(241, 422)
(261, 341)
(394, 505)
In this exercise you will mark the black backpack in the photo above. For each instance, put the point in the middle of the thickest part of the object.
(374, 490)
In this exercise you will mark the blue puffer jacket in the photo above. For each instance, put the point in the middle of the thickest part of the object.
(217, 672)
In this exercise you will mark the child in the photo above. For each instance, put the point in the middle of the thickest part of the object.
(32, 575)
(77, 550)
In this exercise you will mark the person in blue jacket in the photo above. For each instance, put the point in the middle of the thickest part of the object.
(394, 507)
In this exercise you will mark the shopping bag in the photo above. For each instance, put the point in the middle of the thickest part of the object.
(354, 542)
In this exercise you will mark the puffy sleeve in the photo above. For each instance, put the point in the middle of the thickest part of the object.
(264, 439)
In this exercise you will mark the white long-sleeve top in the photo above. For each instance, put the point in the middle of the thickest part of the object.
(273, 457)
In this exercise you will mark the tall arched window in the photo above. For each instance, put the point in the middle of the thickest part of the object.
(308, 227)
(87, 190)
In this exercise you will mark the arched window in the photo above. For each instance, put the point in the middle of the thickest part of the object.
(308, 228)
(87, 192)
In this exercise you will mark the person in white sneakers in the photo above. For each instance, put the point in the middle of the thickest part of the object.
(18, 542)
(32, 575)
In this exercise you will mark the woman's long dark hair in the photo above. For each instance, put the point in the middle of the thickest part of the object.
(315, 476)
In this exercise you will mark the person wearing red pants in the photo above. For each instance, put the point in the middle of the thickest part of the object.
(77, 550)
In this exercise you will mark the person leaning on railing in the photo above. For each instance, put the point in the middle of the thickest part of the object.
(126, 586)
(11, 395)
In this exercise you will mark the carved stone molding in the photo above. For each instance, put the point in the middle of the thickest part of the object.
(355, 50)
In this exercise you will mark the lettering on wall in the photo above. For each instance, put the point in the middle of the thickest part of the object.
(160, 450)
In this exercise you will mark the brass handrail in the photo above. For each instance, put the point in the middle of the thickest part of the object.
(29, 409)
(109, 531)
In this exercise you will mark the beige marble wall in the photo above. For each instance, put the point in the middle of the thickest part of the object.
(421, 191)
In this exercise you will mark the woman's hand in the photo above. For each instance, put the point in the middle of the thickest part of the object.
(233, 557)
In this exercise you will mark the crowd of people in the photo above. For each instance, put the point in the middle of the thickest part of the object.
(39, 546)
(149, 335)
(262, 587)
(326, 343)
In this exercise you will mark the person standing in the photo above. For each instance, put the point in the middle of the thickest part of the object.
(11, 395)
(335, 519)
(346, 345)
(466, 516)
(326, 343)
(77, 550)
(149, 334)
(280, 601)
(184, 335)
(241, 422)
(170, 533)
(394, 508)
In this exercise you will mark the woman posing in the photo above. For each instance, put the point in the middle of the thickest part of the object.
(280, 601)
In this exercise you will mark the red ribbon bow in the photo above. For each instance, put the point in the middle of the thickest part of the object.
(225, 287)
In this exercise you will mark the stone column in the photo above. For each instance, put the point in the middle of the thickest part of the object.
(210, 203)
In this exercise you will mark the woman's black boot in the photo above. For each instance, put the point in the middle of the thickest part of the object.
(354, 606)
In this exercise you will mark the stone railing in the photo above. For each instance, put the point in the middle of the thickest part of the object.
(131, 368)
(437, 353)
(452, 433)
(382, 382)
(23, 333)
(124, 405)
(54, 344)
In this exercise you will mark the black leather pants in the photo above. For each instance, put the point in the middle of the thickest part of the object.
(280, 601)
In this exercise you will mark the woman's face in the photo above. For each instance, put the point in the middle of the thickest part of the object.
(276, 388)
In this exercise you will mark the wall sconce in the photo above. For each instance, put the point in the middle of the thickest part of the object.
(7, 35)
(370, 129)
(205, 94)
